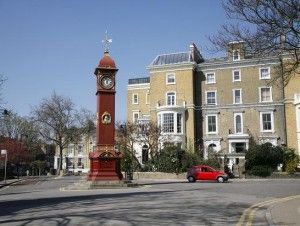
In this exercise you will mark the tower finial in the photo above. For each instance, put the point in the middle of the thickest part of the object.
(106, 42)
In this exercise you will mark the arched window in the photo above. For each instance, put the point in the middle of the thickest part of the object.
(212, 147)
(238, 124)
(145, 154)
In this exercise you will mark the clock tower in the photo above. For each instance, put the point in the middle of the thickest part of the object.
(105, 161)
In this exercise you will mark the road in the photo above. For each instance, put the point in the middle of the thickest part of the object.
(41, 201)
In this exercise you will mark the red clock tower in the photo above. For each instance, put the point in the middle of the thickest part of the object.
(105, 161)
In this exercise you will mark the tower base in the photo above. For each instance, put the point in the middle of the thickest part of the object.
(105, 167)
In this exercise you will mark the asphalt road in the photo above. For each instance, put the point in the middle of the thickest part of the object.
(41, 201)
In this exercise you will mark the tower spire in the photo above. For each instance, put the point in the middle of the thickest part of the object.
(106, 42)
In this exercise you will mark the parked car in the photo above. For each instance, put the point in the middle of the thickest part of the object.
(204, 172)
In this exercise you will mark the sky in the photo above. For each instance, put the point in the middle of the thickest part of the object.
(48, 46)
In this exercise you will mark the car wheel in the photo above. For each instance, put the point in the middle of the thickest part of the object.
(220, 179)
(191, 179)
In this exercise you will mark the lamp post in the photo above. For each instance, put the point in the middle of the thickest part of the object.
(4, 152)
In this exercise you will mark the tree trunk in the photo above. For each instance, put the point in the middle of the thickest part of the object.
(60, 160)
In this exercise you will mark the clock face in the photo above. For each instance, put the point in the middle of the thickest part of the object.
(107, 82)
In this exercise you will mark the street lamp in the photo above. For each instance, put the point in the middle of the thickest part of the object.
(4, 152)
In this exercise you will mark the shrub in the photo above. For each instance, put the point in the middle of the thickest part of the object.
(264, 155)
(261, 171)
(52, 171)
(290, 161)
(291, 166)
(172, 159)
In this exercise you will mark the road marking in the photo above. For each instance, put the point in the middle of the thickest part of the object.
(248, 214)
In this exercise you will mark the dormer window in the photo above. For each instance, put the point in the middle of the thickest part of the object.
(236, 55)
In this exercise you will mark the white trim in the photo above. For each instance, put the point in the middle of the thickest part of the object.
(133, 99)
(260, 97)
(216, 99)
(270, 106)
(241, 96)
(240, 74)
(206, 124)
(261, 121)
(175, 113)
(242, 122)
(138, 86)
(167, 78)
(214, 76)
(229, 65)
(269, 75)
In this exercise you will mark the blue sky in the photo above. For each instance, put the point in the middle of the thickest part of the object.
(55, 45)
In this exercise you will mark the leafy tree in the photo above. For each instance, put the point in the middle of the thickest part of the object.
(267, 27)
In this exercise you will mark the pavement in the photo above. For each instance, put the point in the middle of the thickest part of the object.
(280, 211)
(9, 182)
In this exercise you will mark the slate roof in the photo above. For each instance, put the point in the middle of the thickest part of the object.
(173, 58)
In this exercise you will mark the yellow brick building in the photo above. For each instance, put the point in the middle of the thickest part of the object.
(292, 112)
(219, 104)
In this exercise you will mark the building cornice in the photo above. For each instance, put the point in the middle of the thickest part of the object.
(138, 86)
(172, 67)
(242, 107)
(254, 62)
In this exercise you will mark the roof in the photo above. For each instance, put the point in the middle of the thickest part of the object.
(107, 62)
(173, 58)
(193, 55)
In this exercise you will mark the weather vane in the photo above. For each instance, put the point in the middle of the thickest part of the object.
(106, 42)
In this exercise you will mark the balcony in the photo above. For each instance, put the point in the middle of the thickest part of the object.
(179, 106)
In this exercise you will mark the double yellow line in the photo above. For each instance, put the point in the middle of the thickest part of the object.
(248, 214)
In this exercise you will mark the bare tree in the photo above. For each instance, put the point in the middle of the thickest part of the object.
(267, 27)
(11, 125)
(55, 118)
(148, 134)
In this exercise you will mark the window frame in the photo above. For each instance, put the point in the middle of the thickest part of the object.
(206, 99)
(260, 94)
(260, 74)
(235, 123)
(262, 123)
(214, 77)
(216, 122)
(133, 98)
(238, 55)
(168, 94)
(170, 75)
(240, 75)
(234, 96)
(134, 120)
(160, 122)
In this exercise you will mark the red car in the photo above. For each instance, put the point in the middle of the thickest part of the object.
(205, 173)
